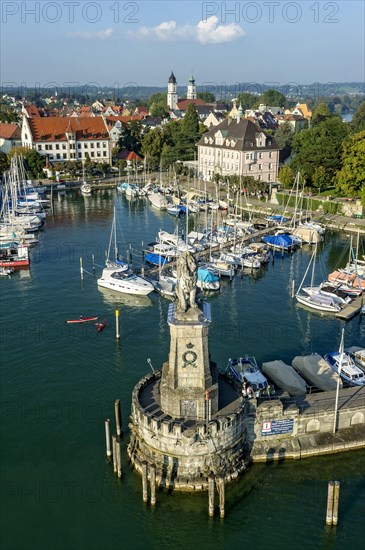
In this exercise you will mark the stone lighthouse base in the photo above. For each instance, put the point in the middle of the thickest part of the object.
(186, 451)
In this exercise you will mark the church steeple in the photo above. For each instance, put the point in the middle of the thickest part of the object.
(172, 91)
(191, 92)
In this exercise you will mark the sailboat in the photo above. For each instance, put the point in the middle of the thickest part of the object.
(118, 276)
(85, 187)
(313, 297)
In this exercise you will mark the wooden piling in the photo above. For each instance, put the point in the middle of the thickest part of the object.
(144, 481)
(153, 484)
(221, 489)
(211, 480)
(81, 269)
(118, 417)
(119, 456)
(107, 438)
(336, 499)
(93, 260)
(117, 332)
(115, 464)
(293, 289)
(330, 503)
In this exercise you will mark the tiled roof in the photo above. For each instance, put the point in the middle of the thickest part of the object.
(9, 131)
(183, 104)
(32, 110)
(112, 119)
(128, 155)
(54, 128)
(244, 133)
(303, 108)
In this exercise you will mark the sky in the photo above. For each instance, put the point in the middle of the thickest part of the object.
(137, 43)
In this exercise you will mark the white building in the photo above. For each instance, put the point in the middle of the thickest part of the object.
(172, 98)
(238, 147)
(62, 139)
(191, 92)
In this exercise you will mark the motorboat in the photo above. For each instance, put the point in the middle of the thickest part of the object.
(358, 355)
(174, 240)
(317, 371)
(12, 255)
(285, 377)
(158, 201)
(122, 279)
(207, 279)
(283, 242)
(344, 365)
(245, 369)
(85, 189)
(224, 269)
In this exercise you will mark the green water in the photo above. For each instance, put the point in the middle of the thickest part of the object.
(59, 383)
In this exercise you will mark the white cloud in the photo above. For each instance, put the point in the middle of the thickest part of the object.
(208, 32)
(88, 35)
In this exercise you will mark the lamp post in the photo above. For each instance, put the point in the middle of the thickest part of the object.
(341, 350)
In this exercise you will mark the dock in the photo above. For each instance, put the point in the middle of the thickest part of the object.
(352, 309)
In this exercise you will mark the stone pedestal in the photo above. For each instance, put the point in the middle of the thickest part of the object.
(189, 379)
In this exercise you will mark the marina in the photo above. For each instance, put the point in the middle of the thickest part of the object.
(60, 381)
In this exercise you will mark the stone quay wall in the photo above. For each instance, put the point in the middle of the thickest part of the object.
(184, 455)
(298, 430)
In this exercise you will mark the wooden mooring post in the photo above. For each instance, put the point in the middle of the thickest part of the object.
(115, 463)
(144, 481)
(153, 484)
(119, 456)
(293, 289)
(336, 499)
(118, 417)
(221, 490)
(107, 438)
(329, 513)
(211, 483)
(81, 269)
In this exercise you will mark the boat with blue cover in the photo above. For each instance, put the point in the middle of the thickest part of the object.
(283, 242)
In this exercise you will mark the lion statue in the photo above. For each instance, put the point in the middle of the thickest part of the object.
(186, 281)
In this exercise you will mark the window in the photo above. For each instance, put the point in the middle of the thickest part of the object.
(85, 145)
(64, 155)
(270, 165)
(98, 145)
(64, 147)
(269, 177)
(39, 147)
(57, 146)
(104, 144)
(260, 155)
(58, 156)
(91, 146)
(79, 145)
(26, 136)
(247, 156)
(260, 177)
(92, 154)
(250, 167)
(80, 155)
(260, 166)
(270, 155)
(50, 157)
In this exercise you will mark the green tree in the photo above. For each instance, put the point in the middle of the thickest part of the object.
(319, 145)
(157, 98)
(273, 98)
(246, 100)
(131, 137)
(284, 136)
(320, 113)
(4, 163)
(190, 133)
(319, 178)
(286, 176)
(152, 144)
(350, 180)
(33, 161)
(208, 97)
(159, 109)
(358, 120)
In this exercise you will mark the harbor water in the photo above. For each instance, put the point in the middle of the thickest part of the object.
(59, 383)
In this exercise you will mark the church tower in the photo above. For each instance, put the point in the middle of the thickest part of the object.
(191, 94)
(172, 92)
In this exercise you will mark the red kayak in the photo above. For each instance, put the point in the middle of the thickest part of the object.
(82, 319)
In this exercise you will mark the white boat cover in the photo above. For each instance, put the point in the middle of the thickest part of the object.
(285, 377)
(317, 371)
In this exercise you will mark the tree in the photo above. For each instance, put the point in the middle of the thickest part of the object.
(159, 109)
(273, 98)
(157, 98)
(33, 161)
(358, 120)
(4, 163)
(284, 136)
(190, 133)
(319, 145)
(320, 113)
(206, 96)
(286, 176)
(246, 100)
(131, 137)
(319, 178)
(350, 180)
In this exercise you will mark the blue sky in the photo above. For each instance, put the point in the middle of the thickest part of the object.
(109, 42)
